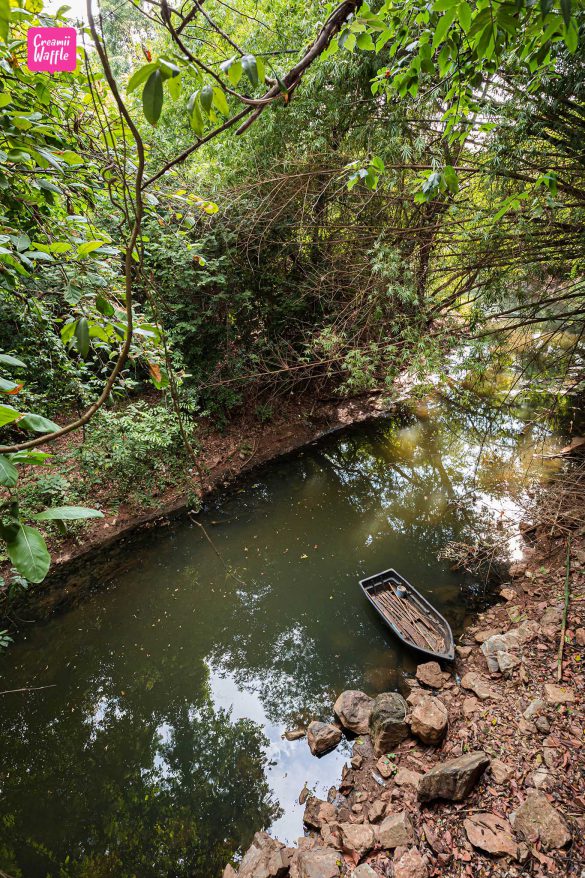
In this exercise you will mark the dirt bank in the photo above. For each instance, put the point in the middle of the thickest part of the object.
(83, 562)
(513, 801)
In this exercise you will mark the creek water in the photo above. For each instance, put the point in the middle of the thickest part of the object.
(157, 751)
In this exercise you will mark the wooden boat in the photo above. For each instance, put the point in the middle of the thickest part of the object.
(409, 615)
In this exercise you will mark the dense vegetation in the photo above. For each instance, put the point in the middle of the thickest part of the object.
(227, 203)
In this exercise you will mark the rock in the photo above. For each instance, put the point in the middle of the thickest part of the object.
(318, 812)
(394, 831)
(363, 747)
(265, 858)
(507, 662)
(580, 636)
(406, 777)
(322, 737)
(358, 838)
(353, 709)
(377, 811)
(550, 757)
(388, 725)
(229, 872)
(470, 705)
(364, 871)
(558, 694)
(542, 724)
(429, 720)
(552, 616)
(486, 634)
(501, 772)
(479, 685)
(453, 779)
(411, 865)
(491, 834)
(536, 819)
(295, 734)
(540, 778)
(463, 651)
(535, 708)
(386, 767)
(304, 794)
(430, 674)
(517, 570)
(508, 594)
(318, 863)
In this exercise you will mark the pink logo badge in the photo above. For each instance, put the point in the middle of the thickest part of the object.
(52, 49)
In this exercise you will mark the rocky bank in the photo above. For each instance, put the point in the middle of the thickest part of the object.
(474, 770)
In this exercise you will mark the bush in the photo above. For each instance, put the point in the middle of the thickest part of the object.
(137, 449)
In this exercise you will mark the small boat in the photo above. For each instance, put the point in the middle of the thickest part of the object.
(409, 615)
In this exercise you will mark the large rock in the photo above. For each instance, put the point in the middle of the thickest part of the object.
(394, 831)
(491, 834)
(429, 720)
(318, 812)
(410, 865)
(558, 694)
(364, 871)
(265, 858)
(453, 779)
(322, 737)
(536, 819)
(316, 863)
(357, 838)
(353, 709)
(388, 725)
(497, 649)
(430, 674)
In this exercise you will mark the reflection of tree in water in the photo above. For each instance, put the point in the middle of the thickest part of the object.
(151, 796)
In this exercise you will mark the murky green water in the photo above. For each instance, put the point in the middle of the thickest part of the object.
(157, 751)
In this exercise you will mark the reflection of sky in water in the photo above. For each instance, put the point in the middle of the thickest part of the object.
(156, 679)
(291, 764)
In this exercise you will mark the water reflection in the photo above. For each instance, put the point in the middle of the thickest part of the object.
(158, 752)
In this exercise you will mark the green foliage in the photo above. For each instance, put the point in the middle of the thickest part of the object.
(138, 451)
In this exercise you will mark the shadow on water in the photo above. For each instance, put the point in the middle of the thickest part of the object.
(158, 751)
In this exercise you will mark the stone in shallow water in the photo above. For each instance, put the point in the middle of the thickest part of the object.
(388, 725)
(353, 708)
(536, 818)
(322, 737)
(453, 779)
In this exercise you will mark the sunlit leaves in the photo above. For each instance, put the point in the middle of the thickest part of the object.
(4, 19)
(140, 76)
(194, 112)
(250, 68)
(67, 513)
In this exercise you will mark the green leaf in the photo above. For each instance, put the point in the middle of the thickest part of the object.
(571, 37)
(8, 386)
(566, 10)
(220, 101)
(8, 414)
(28, 553)
(140, 76)
(464, 14)
(38, 424)
(7, 360)
(152, 97)
(206, 97)
(443, 26)
(195, 117)
(33, 458)
(365, 41)
(261, 70)
(88, 247)
(4, 19)
(82, 336)
(168, 69)
(250, 68)
(67, 513)
(104, 307)
(451, 179)
(8, 472)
